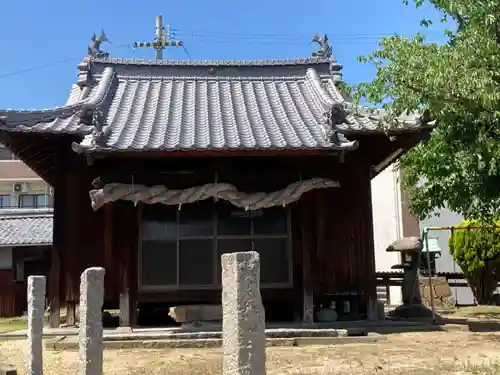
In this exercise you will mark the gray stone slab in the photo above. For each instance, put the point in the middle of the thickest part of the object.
(196, 313)
(36, 310)
(6, 369)
(91, 346)
(71, 343)
(243, 321)
(304, 341)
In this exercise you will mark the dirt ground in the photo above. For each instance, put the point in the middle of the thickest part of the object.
(457, 353)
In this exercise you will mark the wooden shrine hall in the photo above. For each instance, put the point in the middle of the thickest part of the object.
(159, 167)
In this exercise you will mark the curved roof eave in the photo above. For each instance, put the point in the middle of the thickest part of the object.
(24, 121)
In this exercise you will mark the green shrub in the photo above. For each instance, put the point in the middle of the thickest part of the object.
(477, 252)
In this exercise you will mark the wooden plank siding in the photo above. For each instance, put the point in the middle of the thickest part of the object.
(11, 295)
(332, 239)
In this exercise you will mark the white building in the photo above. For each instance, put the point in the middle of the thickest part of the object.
(392, 220)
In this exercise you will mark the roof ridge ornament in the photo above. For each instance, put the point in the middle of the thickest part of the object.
(94, 49)
(325, 50)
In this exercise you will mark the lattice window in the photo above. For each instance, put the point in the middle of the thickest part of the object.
(182, 248)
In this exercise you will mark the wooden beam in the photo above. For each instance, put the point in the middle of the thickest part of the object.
(54, 290)
(213, 153)
(398, 148)
(308, 241)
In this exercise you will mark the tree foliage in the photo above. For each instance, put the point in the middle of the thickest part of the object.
(477, 252)
(458, 85)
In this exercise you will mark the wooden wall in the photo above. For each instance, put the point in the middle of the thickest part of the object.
(11, 295)
(338, 256)
(332, 229)
(345, 236)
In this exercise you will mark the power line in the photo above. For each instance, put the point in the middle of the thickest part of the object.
(187, 53)
(332, 35)
(48, 65)
(281, 39)
(37, 67)
(224, 37)
(286, 42)
(275, 43)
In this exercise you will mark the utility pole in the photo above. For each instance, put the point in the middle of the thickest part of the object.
(162, 39)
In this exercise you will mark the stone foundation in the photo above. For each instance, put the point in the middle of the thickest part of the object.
(196, 313)
(443, 297)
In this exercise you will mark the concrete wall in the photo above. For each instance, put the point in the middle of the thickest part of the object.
(30, 186)
(13, 171)
(387, 224)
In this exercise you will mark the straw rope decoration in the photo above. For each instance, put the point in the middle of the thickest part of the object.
(249, 201)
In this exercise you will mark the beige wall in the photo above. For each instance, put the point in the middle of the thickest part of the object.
(15, 169)
(16, 172)
(387, 223)
(38, 187)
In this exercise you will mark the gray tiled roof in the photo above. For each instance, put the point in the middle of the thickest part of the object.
(25, 227)
(126, 105)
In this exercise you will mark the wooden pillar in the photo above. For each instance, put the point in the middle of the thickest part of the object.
(54, 290)
(387, 290)
(298, 292)
(58, 246)
(109, 259)
(71, 313)
(125, 312)
(369, 271)
(126, 245)
(125, 289)
(133, 265)
(308, 249)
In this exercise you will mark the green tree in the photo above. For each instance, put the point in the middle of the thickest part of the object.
(477, 252)
(457, 84)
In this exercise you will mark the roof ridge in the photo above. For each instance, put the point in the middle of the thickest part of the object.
(24, 216)
(326, 101)
(266, 62)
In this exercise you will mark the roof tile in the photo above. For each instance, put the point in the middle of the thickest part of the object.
(22, 229)
(185, 105)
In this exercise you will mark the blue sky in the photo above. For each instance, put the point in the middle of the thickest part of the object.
(41, 42)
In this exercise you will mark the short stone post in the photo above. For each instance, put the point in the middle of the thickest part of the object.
(243, 317)
(90, 350)
(7, 369)
(36, 311)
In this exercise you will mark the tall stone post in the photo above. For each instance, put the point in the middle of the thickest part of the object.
(90, 350)
(243, 317)
(36, 311)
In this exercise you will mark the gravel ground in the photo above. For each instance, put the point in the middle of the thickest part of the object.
(456, 353)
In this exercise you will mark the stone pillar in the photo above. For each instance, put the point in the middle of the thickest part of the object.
(243, 317)
(7, 369)
(90, 338)
(36, 311)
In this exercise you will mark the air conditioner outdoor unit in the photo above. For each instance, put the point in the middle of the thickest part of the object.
(20, 187)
